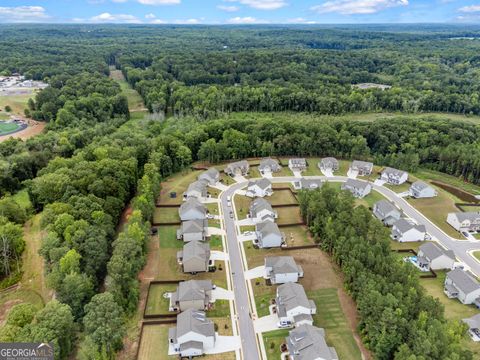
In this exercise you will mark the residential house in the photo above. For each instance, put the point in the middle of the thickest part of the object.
(465, 221)
(237, 168)
(192, 209)
(405, 230)
(362, 168)
(462, 285)
(433, 256)
(269, 165)
(193, 334)
(358, 188)
(473, 324)
(269, 235)
(329, 163)
(259, 188)
(193, 230)
(292, 305)
(307, 342)
(282, 269)
(420, 190)
(192, 294)
(211, 176)
(195, 257)
(386, 212)
(307, 184)
(299, 164)
(394, 176)
(261, 210)
(197, 189)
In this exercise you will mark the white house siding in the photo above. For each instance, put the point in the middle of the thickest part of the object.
(424, 193)
(208, 341)
(412, 235)
(468, 298)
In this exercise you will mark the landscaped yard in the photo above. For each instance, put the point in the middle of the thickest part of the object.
(221, 308)
(395, 245)
(273, 340)
(157, 303)
(166, 215)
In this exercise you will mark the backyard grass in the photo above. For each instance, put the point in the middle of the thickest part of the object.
(288, 215)
(437, 208)
(273, 340)
(155, 343)
(296, 235)
(166, 215)
(177, 183)
(168, 237)
(330, 316)
(282, 197)
(157, 304)
(414, 245)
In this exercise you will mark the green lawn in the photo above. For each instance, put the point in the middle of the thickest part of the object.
(221, 308)
(476, 254)
(284, 172)
(330, 316)
(242, 205)
(288, 215)
(370, 199)
(157, 304)
(273, 340)
(253, 173)
(7, 127)
(470, 208)
(18, 103)
(154, 343)
(395, 245)
(166, 215)
(216, 243)
(296, 235)
(168, 237)
(399, 188)
(263, 296)
(428, 175)
(282, 197)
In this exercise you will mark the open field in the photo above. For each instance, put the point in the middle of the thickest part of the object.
(18, 103)
(436, 210)
(166, 215)
(429, 175)
(135, 101)
(156, 303)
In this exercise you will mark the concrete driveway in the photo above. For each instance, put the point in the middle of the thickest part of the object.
(245, 222)
(239, 179)
(297, 174)
(352, 174)
(220, 186)
(224, 344)
(257, 272)
(266, 323)
(327, 172)
(222, 294)
(243, 238)
(218, 255)
(215, 231)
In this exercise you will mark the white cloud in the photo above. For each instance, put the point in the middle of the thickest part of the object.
(187, 21)
(159, 2)
(262, 4)
(470, 9)
(348, 7)
(113, 18)
(158, 21)
(23, 14)
(246, 20)
(150, 16)
(300, 20)
(228, 8)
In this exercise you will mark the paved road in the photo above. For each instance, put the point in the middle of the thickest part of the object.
(245, 322)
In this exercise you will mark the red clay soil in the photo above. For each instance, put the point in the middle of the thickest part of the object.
(34, 128)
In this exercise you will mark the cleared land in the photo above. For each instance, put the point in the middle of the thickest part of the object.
(135, 101)
(17, 103)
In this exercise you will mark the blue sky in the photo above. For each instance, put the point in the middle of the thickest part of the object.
(239, 11)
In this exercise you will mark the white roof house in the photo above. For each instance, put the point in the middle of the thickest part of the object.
(328, 163)
(386, 212)
(292, 305)
(261, 210)
(269, 165)
(433, 256)
(462, 285)
(192, 209)
(259, 188)
(298, 164)
(192, 335)
(282, 269)
(307, 342)
(464, 221)
(269, 235)
(211, 176)
(420, 190)
(362, 168)
(404, 230)
(197, 189)
(307, 184)
(394, 176)
(473, 324)
(237, 168)
(359, 189)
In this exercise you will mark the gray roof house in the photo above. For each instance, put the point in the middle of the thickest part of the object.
(292, 305)
(386, 212)
(404, 230)
(307, 184)
(282, 269)
(192, 294)
(259, 188)
(465, 221)
(394, 176)
(462, 285)
(269, 165)
(328, 163)
(269, 235)
(420, 189)
(359, 189)
(307, 342)
(212, 176)
(473, 326)
(192, 209)
(195, 257)
(363, 168)
(197, 189)
(192, 335)
(193, 230)
(433, 256)
(237, 168)
(261, 210)
(298, 164)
